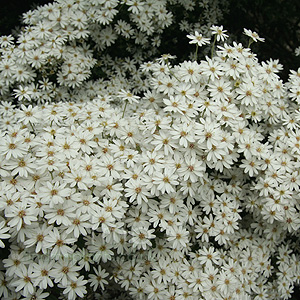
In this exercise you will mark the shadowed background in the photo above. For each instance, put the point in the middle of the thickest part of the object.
(278, 21)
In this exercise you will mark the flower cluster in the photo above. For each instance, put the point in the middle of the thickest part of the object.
(162, 181)
(65, 43)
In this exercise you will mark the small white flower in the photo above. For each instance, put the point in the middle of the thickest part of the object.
(219, 32)
(23, 93)
(141, 237)
(126, 95)
(98, 279)
(198, 39)
(165, 181)
(76, 288)
(253, 35)
(178, 236)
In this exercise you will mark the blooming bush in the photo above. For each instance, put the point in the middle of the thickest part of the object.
(65, 42)
(159, 180)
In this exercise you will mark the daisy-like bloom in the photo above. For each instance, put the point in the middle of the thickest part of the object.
(165, 57)
(220, 89)
(208, 133)
(24, 281)
(83, 258)
(249, 94)
(132, 268)
(86, 203)
(61, 213)
(141, 237)
(219, 32)
(124, 28)
(85, 137)
(67, 146)
(109, 167)
(129, 134)
(126, 95)
(233, 67)
(165, 181)
(161, 271)
(184, 133)
(172, 201)
(158, 216)
(76, 179)
(21, 166)
(163, 141)
(102, 219)
(6, 40)
(152, 161)
(185, 91)
(198, 39)
(129, 158)
(41, 273)
(137, 289)
(164, 85)
(253, 35)
(58, 242)
(76, 288)
(64, 270)
(114, 205)
(188, 213)
(21, 214)
(79, 225)
(98, 279)
(174, 104)
(53, 193)
(189, 71)
(226, 282)
(154, 290)
(198, 280)
(251, 165)
(100, 248)
(88, 165)
(29, 114)
(211, 68)
(136, 190)
(13, 147)
(208, 256)
(109, 188)
(15, 262)
(23, 93)
(36, 236)
(178, 237)
(192, 169)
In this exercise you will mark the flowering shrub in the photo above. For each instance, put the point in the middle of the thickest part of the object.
(65, 42)
(176, 181)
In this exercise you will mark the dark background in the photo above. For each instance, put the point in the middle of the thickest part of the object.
(11, 12)
(278, 21)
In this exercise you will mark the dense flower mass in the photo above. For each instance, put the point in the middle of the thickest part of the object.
(156, 180)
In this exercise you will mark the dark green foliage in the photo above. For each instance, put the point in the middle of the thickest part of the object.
(278, 21)
(11, 13)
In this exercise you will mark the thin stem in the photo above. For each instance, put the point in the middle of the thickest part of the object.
(213, 46)
(31, 126)
(250, 42)
(124, 108)
(196, 53)
(171, 70)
